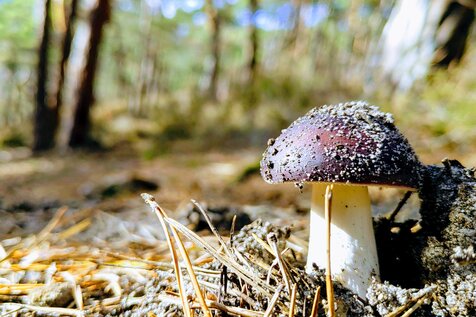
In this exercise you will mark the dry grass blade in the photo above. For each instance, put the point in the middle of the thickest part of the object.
(271, 270)
(302, 244)
(236, 311)
(78, 297)
(156, 264)
(295, 247)
(193, 277)
(150, 200)
(232, 228)
(51, 311)
(233, 292)
(414, 307)
(40, 236)
(212, 228)
(315, 302)
(262, 243)
(292, 304)
(421, 297)
(75, 229)
(397, 209)
(329, 286)
(188, 264)
(272, 240)
(230, 263)
(243, 259)
(52, 224)
(11, 312)
(273, 301)
(203, 259)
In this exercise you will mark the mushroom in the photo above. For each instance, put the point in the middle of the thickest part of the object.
(351, 145)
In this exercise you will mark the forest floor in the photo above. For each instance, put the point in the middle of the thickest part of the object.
(220, 177)
(113, 180)
(104, 211)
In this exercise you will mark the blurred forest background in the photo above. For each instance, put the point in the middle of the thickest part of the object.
(194, 75)
(101, 100)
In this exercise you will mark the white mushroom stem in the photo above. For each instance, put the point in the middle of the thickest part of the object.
(353, 251)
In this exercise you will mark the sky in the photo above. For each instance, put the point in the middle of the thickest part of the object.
(271, 16)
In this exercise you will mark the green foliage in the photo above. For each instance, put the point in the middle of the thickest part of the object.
(13, 138)
(164, 65)
(441, 110)
(17, 31)
(249, 171)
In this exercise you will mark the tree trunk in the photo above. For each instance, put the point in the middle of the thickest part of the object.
(252, 93)
(423, 33)
(294, 34)
(44, 115)
(80, 133)
(254, 44)
(65, 53)
(452, 33)
(147, 65)
(215, 26)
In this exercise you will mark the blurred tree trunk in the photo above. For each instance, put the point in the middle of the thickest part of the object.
(254, 45)
(252, 93)
(9, 79)
(120, 58)
(147, 66)
(452, 33)
(294, 34)
(57, 103)
(80, 133)
(44, 114)
(421, 34)
(215, 27)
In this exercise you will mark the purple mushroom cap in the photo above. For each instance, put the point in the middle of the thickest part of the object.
(351, 142)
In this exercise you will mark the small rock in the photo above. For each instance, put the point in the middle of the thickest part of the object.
(52, 295)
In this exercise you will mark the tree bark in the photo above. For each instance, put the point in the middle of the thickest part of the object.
(80, 133)
(215, 26)
(43, 129)
(57, 102)
(408, 42)
(452, 34)
(421, 34)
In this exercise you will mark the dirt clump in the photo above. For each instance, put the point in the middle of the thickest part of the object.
(438, 249)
